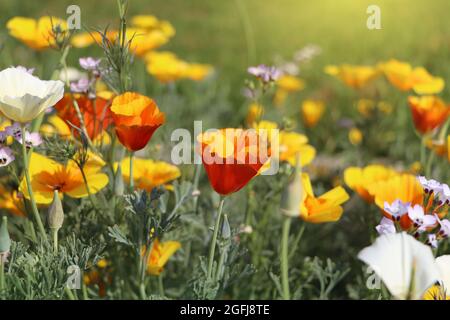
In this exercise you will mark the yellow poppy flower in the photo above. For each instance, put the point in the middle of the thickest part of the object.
(265, 125)
(255, 111)
(312, 112)
(148, 173)
(85, 39)
(160, 254)
(352, 75)
(165, 66)
(287, 84)
(325, 208)
(293, 143)
(150, 22)
(37, 34)
(48, 175)
(404, 77)
(355, 136)
(404, 187)
(197, 71)
(359, 179)
(143, 41)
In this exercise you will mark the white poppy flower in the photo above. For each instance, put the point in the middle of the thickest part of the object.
(443, 264)
(399, 259)
(23, 97)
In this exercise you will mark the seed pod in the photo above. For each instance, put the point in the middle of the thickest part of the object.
(292, 194)
(55, 212)
(119, 186)
(5, 240)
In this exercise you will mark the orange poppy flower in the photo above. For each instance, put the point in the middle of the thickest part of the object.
(429, 112)
(136, 118)
(232, 157)
(96, 113)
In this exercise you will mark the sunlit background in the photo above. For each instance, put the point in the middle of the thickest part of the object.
(232, 34)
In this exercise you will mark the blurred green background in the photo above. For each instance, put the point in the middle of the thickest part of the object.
(233, 34)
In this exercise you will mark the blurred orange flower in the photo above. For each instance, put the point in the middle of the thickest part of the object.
(160, 254)
(95, 112)
(404, 77)
(136, 118)
(10, 201)
(428, 112)
(232, 157)
(352, 75)
(312, 112)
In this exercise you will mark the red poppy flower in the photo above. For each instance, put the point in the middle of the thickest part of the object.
(95, 112)
(232, 157)
(136, 118)
(429, 112)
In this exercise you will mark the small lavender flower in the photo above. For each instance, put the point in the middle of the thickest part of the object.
(445, 228)
(89, 63)
(430, 185)
(421, 220)
(397, 209)
(32, 139)
(30, 71)
(6, 156)
(80, 86)
(265, 73)
(432, 240)
(307, 53)
(444, 194)
(3, 137)
(15, 131)
(386, 226)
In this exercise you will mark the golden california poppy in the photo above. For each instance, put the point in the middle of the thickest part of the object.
(48, 175)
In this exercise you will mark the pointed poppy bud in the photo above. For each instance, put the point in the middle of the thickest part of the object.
(55, 212)
(5, 240)
(292, 194)
(118, 182)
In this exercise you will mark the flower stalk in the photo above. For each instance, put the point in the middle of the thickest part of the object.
(284, 258)
(34, 208)
(212, 248)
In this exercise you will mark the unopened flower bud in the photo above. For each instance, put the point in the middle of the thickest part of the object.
(119, 186)
(55, 212)
(5, 240)
(226, 232)
(292, 194)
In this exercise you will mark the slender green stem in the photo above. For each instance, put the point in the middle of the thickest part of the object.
(212, 248)
(161, 285)
(284, 258)
(131, 172)
(29, 188)
(2, 274)
(55, 239)
(69, 293)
